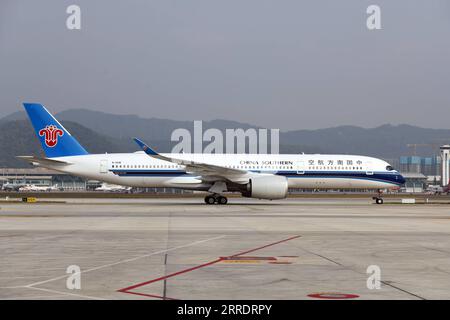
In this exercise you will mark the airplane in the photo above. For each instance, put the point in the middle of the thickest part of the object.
(112, 188)
(262, 176)
(440, 190)
(32, 187)
(446, 189)
(12, 186)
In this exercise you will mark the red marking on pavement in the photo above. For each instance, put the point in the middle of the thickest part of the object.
(127, 289)
(169, 276)
(333, 295)
(268, 245)
(147, 295)
(247, 258)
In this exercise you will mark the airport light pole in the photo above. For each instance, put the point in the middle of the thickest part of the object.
(445, 157)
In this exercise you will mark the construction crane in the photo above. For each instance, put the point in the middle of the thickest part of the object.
(415, 145)
(435, 146)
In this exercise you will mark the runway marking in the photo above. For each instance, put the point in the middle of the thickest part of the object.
(23, 277)
(333, 295)
(165, 281)
(127, 260)
(66, 293)
(403, 290)
(124, 290)
(33, 297)
(150, 295)
(34, 284)
(268, 245)
(387, 283)
(128, 289)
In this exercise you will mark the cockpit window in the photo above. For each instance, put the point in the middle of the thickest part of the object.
(389, 168)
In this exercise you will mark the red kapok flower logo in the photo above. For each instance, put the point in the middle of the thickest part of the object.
(51, 133)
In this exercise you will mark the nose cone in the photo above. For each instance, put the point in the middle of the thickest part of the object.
(400, 179)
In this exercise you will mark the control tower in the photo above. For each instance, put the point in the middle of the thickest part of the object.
(445, 157)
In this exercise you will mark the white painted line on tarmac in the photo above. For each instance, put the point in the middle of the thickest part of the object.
(66, 293)
(127, 260)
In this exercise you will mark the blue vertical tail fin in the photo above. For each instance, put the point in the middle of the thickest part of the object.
(55, 140)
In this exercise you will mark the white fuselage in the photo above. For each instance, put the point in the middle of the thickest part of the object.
(306, 171)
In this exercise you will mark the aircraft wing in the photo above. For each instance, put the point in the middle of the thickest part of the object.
(43, 161)
(208, 171)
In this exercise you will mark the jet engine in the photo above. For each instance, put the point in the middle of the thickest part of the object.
(267, 187)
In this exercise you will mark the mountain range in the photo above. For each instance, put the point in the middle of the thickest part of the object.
(103, 132)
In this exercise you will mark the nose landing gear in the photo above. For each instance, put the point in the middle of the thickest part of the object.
(216, 199)
(378, 199)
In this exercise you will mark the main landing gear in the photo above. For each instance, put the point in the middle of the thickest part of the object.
(378, 199)
(216, 199)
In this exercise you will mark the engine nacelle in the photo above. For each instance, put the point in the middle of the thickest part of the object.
(268, 187)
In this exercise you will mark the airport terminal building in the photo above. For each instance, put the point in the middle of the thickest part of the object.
(42, 177)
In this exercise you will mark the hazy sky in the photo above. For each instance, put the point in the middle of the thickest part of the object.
(286, 64)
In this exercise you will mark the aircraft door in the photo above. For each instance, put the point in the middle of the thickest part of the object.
(301, 167)
(104, 166)
(369, 169)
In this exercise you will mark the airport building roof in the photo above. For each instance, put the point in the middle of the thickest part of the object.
(27, 176)
(413, 175)
(27, 171)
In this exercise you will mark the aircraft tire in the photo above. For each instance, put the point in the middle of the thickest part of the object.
(210, 200)
(222, 200)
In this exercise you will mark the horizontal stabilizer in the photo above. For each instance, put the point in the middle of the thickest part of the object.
(44, 161)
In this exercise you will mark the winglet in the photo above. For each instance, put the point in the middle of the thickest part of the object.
(145, 147)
